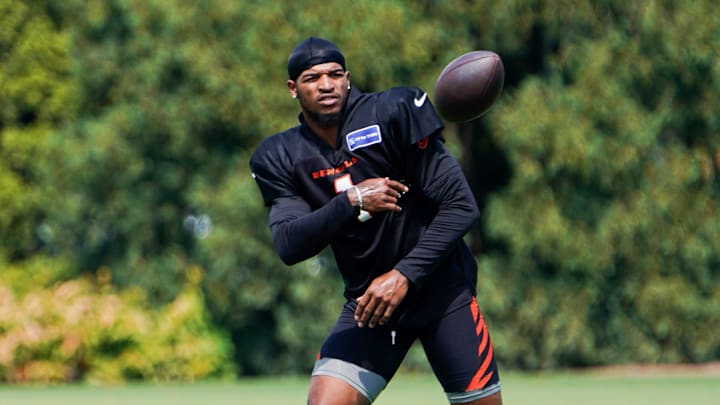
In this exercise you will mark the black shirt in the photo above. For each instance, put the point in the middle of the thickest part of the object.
(395, 134)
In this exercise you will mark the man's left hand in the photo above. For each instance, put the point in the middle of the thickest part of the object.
(377, 304)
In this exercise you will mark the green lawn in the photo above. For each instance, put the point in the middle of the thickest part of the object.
(579, 389)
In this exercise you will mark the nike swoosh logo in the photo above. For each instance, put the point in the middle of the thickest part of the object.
(420, 101)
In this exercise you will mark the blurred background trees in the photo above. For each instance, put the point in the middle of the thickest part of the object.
(126, 126)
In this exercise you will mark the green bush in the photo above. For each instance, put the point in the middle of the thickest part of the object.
(85, 330)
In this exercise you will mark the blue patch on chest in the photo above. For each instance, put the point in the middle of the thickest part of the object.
(363, 137)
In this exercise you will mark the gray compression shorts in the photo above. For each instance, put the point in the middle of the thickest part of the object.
(371, 385)
(365, 382)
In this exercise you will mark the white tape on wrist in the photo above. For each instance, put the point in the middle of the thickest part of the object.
(364, 215)
(358, 195)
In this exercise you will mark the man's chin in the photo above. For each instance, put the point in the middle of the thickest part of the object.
(327, 120)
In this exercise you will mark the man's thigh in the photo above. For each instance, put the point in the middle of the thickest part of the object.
(362, 358)
(460, 352)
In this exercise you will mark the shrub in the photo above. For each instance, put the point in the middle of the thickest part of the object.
(86, 330)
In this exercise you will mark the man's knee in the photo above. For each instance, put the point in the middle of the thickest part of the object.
(338, 378)
(326, 390)
(494, 399)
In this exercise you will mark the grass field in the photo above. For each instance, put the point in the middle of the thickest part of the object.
(580, 389)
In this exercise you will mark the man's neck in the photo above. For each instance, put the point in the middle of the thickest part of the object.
(326, 134)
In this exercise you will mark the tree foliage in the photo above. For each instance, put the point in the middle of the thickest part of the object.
(607, 222)
(37, 93)
(126, 126)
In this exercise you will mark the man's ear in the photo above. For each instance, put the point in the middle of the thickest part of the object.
(292, 88)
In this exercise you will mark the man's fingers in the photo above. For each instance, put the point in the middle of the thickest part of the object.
(382, 194)
(390, 199)
(388, 313)
(363, 306)
(363, 313)
(377, 314)
(387, 201)
(396, 191)
(381, 299)
(360, 307)
(398, 187)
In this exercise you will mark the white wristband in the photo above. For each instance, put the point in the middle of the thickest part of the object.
(359, 197)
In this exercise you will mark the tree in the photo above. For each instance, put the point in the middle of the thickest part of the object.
(37, 93)
(606, 223)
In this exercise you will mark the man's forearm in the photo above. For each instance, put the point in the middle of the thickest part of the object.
(299, 233)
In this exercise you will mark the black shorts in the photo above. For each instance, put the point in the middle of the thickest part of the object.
(457, 346)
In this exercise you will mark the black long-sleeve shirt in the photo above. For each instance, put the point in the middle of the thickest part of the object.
(394, 134)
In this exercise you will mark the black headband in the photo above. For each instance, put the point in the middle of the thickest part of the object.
(310, 52)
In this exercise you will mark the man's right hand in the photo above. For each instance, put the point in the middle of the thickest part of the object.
(378, 194)
(377, 304)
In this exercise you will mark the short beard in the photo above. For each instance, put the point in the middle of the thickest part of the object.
(326, 120)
